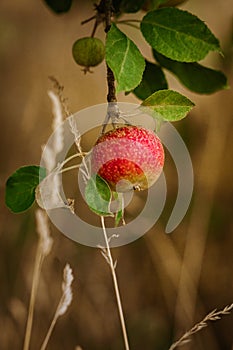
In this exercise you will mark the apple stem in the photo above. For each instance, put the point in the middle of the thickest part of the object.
(94, 28)
(108, 256)
(88, 19)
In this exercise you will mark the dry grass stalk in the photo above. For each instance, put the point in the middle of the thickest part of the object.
(106, 252)
(212, 316)
(63, 100)
(49, 157)
(64, 302)
(58, 107)
(57, 122)
(43, 249)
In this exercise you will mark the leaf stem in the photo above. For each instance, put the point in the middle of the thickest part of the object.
(108, 255)
(130, 25)
(129, 22)
(88, 19)
(94, 28)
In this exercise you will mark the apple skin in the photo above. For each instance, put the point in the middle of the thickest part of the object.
(128, 158)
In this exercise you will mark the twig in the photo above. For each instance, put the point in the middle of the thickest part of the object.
(106, 252)
(111, 95)
(212, 316)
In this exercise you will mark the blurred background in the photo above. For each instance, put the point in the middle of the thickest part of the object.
(167, 282)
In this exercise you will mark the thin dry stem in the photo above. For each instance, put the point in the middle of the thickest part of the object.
(43, 249)
(106, 252)
(77, 140)
(64, 303)
(212, 316)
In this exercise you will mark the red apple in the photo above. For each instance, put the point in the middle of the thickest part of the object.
(128, 157)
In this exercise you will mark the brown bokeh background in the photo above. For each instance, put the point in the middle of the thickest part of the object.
(167, 282)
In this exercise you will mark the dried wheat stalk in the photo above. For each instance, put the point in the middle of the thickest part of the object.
(212, 316)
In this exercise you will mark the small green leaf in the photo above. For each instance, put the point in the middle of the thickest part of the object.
(98, 196)
(153, 79)
(59, 6)
(21, 185)
(118, 217)
(178, 34)
(167, 105)
(194, 76)
(124, 59)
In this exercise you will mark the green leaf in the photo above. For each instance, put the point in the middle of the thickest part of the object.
(153, 79)
(21, 185)
(167, 105)
(131, 6)
(127, 6)
(98, 196)
(59, 6)
(116, 5)
(178, 34)
(150, 5)
(124, 59)
(194, 76)
(170, 3)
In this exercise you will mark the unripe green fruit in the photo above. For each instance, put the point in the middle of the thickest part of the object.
(88, 51)
(128, 157)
